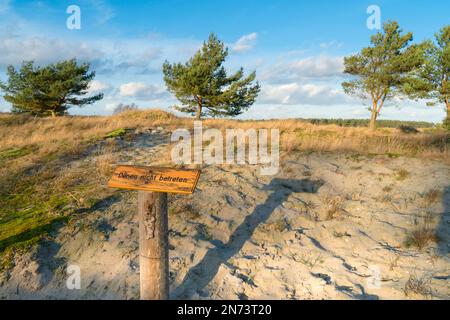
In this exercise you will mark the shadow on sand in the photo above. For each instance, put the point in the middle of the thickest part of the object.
(443, 232)
(200, 275)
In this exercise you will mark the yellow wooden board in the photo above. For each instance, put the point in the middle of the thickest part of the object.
(155, 179)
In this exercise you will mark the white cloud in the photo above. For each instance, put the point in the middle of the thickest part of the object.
(314, 67)
(330, 44)
(96, 86)
(105, 57)
(132, 89)
(142, 91)
(139, 61)
(43, 50)
(110, 106)
(309, 94)
(245, 43)
(321, 66)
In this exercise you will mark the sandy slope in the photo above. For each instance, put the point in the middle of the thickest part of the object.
(242, 235)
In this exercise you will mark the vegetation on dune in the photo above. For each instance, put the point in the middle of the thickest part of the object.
(27, 213)
(117, 133)
(33, 205)
(12, 153)
(41, 189)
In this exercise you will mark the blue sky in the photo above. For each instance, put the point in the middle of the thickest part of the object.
(296, 47)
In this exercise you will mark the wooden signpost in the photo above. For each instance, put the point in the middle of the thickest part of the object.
(153, 184)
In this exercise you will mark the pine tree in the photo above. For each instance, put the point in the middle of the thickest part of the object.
(383, 70)
(433, 79)
(49, 90)
(203, 86)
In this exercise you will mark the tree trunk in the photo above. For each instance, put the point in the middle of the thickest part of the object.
(447, 104)
(53, 113)
(199, 109)
(373, 118)
(153, 246)
(447, 120)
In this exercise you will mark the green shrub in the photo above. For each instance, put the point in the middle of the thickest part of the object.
(116, 133)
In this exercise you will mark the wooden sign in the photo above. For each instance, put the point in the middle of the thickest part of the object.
(153, 184)
(155, 179)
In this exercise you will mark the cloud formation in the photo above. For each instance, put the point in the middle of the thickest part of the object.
(106, 58)
(44, 50)
(97, 86)
(245, 43)
(314, 67)
(142, 91)
(330, 44)
(303, 94)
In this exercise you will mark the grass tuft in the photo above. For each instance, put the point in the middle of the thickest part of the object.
(402, 174)
(420, 237)
(418, 285)
(12, 153)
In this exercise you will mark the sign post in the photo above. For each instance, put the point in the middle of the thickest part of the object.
(153, 184)
(153, 245)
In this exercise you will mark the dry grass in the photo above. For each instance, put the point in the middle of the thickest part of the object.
(309, 260)
(431, 197)
(418, 285)
(332, 138)
(423, 232)
(70, 133)
(107, 160)
(303, 136)
(402, 174)
(290, 143)
(421, 237)
(334, 206)
(49, 133)
(183, 208)
(28, 143)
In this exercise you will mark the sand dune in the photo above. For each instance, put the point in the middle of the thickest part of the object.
(328, 226)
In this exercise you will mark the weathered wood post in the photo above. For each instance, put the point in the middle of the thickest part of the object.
(153, 184)
(153, 245)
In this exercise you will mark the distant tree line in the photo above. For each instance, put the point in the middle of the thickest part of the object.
(122, 107)
(366, 122)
